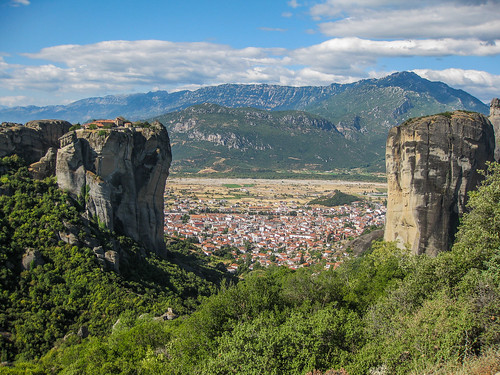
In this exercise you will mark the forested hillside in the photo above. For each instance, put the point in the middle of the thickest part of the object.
(386, 312)
(51, 289)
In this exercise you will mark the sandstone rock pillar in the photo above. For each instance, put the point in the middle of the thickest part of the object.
(495, 120)
(432, 163)
(120, 174)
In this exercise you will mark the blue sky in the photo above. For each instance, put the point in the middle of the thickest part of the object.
(55, 51)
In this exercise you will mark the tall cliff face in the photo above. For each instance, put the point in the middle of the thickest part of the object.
(432, 163)
(34, 141)
(495, 120)
(121, 175)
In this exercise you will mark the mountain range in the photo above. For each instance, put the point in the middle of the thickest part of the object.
(270, 97)
(251, 128)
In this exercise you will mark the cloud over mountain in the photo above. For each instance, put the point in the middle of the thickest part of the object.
(363, 36)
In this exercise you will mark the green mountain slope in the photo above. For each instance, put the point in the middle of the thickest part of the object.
(247, 140)
(371, 107)
(343, 128)
(366, 110)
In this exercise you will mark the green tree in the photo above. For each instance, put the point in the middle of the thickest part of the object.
(478, 238)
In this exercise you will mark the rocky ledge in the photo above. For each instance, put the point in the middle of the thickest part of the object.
(495, 120)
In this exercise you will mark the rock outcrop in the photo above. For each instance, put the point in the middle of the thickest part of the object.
(120, 176)
(363, 243)
(432, 163)
(495, 120)
(32, 258)
(33, 140)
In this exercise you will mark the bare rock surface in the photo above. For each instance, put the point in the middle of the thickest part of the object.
(32, 258)
(495, 120)
(32, 140)
(362, 243)
(120, 176)
(46, 166)
(432, 163)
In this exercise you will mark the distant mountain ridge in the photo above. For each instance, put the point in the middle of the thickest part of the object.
(263, 96)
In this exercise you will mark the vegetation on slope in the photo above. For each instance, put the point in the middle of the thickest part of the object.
(338, 198)
(68, 288)
(385, 312)
(255, 141)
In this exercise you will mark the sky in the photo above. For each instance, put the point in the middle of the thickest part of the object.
(60, 51)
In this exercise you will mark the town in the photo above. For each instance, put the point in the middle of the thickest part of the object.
(283, 231)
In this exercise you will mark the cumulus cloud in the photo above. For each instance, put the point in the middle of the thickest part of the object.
(11, 101)
(484, 85)
(355, 55)
(423, 19)
(16, 3)
(129, 66)
(124, 66)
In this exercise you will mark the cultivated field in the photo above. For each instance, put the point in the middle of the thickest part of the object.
(264, 191)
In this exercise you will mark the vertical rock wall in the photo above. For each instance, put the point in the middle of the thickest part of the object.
(35, 142)
(120, 174)
(431, 165)
(495, 120)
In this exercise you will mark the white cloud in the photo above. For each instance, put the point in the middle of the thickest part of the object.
(11, 101)
(395, 19)
(293, 3)
(16, 3)
(355, 54)
(483, 85)
(124, 66)
(136, 66)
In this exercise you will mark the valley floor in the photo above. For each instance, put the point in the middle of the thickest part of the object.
(256, 222)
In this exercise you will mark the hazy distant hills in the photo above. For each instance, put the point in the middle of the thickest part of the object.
(141, 106)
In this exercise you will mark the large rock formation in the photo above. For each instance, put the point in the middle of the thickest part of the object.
(495, 120)
(34, 141)
(432, 163)
(120, 174)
